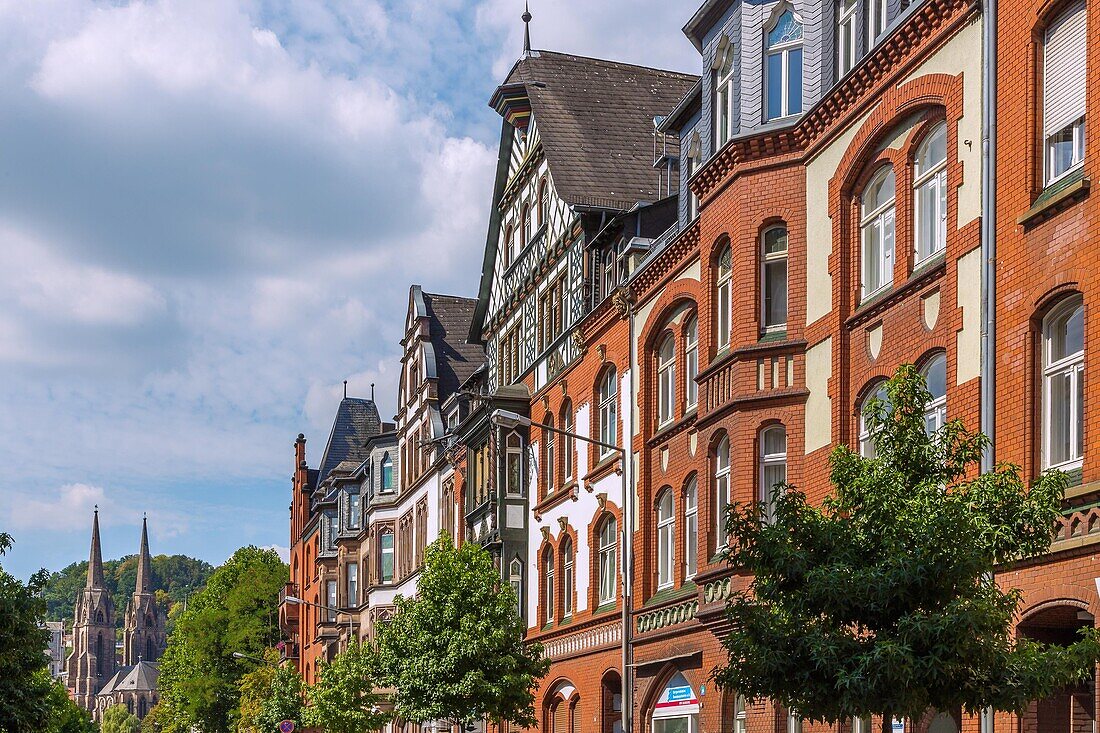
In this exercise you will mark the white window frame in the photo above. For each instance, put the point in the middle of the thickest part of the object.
(330, 600)
(608, 411)
(935, 414)
(567, 441)
(1071, 368)
(666, 540)
(515, 579)
(724, 296)
(567, 577)
(876, 21)
(740, 714)
(866, 444)
(723, 94)
(783, 49)
(721, 489)
(767, 259)
(550, 457)
(930, 183)
(691, 528)
(881, 219)
(770, 461)
(1075, 128)
(354, 504)
(691, 363)
(384, 552)
(666, 380)
(608, 568)
(352, 574)
(548, 589)
(847, 36)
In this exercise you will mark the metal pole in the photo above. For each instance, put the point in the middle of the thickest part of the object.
(628, 545)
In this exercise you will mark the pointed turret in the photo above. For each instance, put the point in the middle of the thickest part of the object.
(95, 557)
(526, 17)
(145, 562)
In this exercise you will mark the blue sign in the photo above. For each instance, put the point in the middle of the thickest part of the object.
(676, 694)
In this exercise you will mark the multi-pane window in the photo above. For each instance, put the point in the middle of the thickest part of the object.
(526, 236)
(773, 468)
(876, 20)
(387, 473)
(353, 584)
(783, 68)
(330, 600)
(1064, 385)
(666, 538)
(513, 465)
(515, 578)
(548, 586)
(509, 356)
(608, 412)
(541, 203)
(353, 511)
(846, 36)
(721, 489)
(549, 457)
(691, 363)
(386, 556)
(866, 438)
(567, 577)
(935, 379)
(723, 96)
(877, 232)
(567, 444)
(930, 193)
(1065, 56)
(609, 542)
(773, 278)
(693, 200)
(724, 297)
(691, 528)
(666, 380)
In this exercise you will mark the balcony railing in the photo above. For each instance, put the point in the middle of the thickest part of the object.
(288, 650)
(288, 612)
(1081, 524)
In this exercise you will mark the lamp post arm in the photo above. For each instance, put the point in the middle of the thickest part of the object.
(577, 436)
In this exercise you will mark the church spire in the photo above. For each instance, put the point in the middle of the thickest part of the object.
(95, 557)
(145, 563)
(526, 30)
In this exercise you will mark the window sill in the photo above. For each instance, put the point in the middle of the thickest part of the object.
(1057, 196)
(558, 497)
(605, 467)
(606, 607)
(671, 594)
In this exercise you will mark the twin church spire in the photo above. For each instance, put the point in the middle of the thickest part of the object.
(95, 559)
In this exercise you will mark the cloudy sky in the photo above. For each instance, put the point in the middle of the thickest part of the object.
(210, 214)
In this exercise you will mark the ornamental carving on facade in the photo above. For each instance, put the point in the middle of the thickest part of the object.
(621, 299)
(577, 337)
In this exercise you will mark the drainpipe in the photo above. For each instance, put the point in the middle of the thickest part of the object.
(628, 537)
(989, 252)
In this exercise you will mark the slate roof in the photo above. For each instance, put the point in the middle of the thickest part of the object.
(356, 420)
(449, 319)
(140, 677)
(595, 118)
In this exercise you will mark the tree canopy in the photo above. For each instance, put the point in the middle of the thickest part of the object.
(270, 694)
(24, 691)
(117, 719)
(882, 599)
(236, 612)
(455, 652)
(345, 697)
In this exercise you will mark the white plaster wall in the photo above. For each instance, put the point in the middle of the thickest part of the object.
(968, 354)
(819, 405)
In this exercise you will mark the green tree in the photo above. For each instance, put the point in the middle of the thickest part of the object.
(24, 691)
(65, 716)
(456, 651)
(270, 694)
(236, 612)
(344, 699)
(117, 719)
(882, 600)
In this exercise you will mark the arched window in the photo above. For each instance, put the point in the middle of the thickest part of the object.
(666, 539)
(387, 473)
(876, 20)
(724, 299)
(567, 577)
(608, 418)
(1064, 385)
(877, 232)
(773, 279)
(783, 67)
(100, 657)
(541, 202)
(567, 441)
(721, 489)
(666, 380)
(1065, 51)
(513, 456)
(740, 714)
(935, 378)
(507, 244)
(794, 721)
(549, 458)
(142, 709)
(150, 652)
(930, 193)
(866, 439)
(676, 709)
(723, 94)
(515, 579)
(526, 231)
(846, 36)
(548, 586)
(691, 528)
(773, 467)
(608, 567)
(691, 363)
(386, 556)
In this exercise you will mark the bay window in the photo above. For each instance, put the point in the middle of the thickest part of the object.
(930, 193)
(783, 67)
(666, 380)
(608, 416)
(721, 489)
(691, 363)
(724, 299)
(773, 279)
(877, 232)
(386, 556)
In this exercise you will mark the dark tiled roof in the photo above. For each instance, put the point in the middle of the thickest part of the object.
(356, 420)
(136, 677)
(595, 119)
(449, 318)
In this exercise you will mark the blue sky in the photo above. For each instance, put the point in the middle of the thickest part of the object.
(210, 214)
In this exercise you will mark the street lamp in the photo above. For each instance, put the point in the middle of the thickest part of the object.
(509, 421)
(239, 655)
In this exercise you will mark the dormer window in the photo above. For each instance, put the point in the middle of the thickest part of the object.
(723, 93)
(876, 20)
(846, 36)
(783, 67)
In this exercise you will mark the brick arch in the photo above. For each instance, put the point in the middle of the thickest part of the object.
(1054, 288)
(1054, 596)
(657, 684)
(672, 296)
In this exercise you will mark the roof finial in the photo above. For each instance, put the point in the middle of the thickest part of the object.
(526, 29)
(372, 391)
(345, 389)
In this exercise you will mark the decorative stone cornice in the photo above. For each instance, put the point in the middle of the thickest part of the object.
(669, 616)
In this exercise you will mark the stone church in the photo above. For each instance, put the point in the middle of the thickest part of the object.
(95, 679)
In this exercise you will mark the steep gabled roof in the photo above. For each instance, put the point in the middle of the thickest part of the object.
(449, 319)
(356, 420)
(595, 119)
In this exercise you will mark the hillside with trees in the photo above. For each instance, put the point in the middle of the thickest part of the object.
(175, 577)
